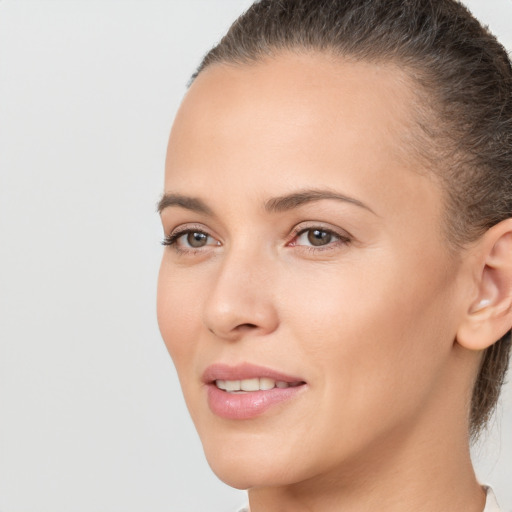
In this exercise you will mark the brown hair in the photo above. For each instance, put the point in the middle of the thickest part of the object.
(464, 84)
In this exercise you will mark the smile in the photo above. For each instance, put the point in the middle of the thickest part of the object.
(256, 384)
(247, 391)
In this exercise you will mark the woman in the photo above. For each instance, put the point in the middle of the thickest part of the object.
(336, 290)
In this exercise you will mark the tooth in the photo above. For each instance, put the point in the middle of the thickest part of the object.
(266, 383)
(250, 384)
(221, 384)
(232, 385)
(281, 384)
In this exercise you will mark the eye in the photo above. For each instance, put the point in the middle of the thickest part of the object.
(195, 239)
(189, 239)
(316, 237)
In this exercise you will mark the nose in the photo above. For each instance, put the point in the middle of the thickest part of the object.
(241, 300)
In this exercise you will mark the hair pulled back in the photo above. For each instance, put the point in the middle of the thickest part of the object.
(464, 86)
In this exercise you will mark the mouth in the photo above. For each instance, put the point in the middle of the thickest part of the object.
(247, 391)
(256, 384)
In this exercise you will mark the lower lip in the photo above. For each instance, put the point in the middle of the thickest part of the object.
(244, 406)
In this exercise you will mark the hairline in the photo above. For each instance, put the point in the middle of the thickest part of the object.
(433, 162)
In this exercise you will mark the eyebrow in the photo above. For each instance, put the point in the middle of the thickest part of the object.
(274, 205)
(296, 199)
(189, 203)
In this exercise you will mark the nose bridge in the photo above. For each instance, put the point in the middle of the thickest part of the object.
(241, 296)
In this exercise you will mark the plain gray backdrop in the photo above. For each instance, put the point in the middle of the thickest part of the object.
(91, 416)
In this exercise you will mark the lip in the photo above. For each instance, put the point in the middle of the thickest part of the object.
(244, 371)
(247, 405)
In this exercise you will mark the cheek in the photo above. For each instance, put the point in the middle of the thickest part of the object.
(371, 329)
(178, 313)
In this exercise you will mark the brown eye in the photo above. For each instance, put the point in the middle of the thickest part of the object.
(319, 237)
(197, 239)
(316, 237)
(189, 239)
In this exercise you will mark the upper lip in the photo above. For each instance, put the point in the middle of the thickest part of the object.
(243, 371)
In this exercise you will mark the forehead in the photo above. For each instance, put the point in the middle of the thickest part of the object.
(296, 119)
(297, 91)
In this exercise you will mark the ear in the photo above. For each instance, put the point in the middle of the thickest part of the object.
(489, 316)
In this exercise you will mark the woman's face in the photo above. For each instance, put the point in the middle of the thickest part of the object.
(306, 263)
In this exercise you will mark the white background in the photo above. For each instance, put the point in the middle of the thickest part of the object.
(91, 417)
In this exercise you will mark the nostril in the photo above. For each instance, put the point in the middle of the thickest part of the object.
(246, 327)
(239, 328)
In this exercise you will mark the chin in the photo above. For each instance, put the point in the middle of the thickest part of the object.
(246, 475)
(234, 478)
(244, 467)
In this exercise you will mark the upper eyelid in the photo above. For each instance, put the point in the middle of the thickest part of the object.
(332, 244)
(298, 229)
(171, 237)
(172, 242)
(178, 233)
(320, 228)
(301, 228)
(325, 230)
(187, 228)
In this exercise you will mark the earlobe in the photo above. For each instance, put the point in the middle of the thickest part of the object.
(489, 315)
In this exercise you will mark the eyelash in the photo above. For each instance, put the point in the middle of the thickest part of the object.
(342, 239)
(172, 239)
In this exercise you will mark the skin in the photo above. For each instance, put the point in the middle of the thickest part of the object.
(368, 321)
